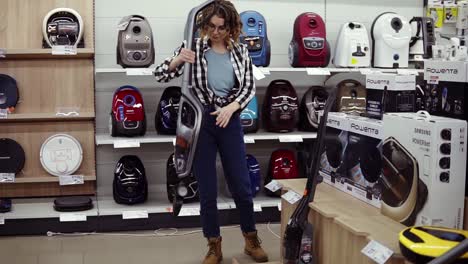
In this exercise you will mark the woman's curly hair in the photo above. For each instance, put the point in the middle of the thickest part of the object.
(226, 10)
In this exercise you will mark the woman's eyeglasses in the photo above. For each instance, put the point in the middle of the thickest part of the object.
(212, 27)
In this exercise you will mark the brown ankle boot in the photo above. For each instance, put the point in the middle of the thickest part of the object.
(214, 255)
(253, 248)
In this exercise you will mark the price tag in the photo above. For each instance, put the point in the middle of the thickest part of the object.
(3, 113)
(290, 138)
(249, 140)
(407, 72)
(128, 143)
(71, 179)
(291, 197)
(189, 211)
(274, 186)
(64, 50)
(2, 53)
(7, 177)
(139, 72)
(377, 252)
(173, 141)
(265, 71)
(2, 220)
(72, 217)
(279, 206)
(257, 207)
(134, 214)
(318, 71)
(258, 74)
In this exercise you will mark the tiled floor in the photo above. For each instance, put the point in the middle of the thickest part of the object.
(120, 249)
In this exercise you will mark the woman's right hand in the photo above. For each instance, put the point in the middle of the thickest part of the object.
(185, 55)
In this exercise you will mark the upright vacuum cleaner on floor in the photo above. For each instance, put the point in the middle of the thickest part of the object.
(298, 235)
(190, 115)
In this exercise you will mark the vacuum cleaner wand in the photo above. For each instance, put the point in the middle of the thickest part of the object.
(190, 114)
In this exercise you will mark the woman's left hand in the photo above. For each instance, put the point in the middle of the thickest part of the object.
(224, 114)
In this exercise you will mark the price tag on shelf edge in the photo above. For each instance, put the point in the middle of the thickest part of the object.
(139, 72)
(249, 140)
(2, 220)
(265, 71)
(189, 211)
(126, 143)
(318, 71)
(377, 252)
(274, 186)
(73, 217)
(64, 50)
(407, 72)
(279, 206)
(290, 138)
(3, 113)
(2, 53)
(7, 177)
(291, 197)
(257, 73)
(71, 179)
(135, 214)
(257, 207)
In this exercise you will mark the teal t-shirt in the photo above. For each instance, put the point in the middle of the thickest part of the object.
(220, 72)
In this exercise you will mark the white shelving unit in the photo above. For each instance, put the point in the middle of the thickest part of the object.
(123, 142)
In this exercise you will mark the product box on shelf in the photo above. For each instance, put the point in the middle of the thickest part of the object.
(443, 92)
(351, 160)
(400, 93)
(424, 166)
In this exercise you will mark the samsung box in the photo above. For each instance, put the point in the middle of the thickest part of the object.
(351, 160)
(400, 93)
(424, 165)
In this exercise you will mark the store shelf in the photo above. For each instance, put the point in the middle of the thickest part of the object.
(85, 53)
(34, 208)
(260, 201)
(38, 117)
(123, 142)
(46, 179)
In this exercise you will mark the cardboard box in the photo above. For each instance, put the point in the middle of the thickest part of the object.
(424, 169)
(351, 161)
(400, 93)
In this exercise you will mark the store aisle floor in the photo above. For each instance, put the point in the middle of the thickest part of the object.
(116, 249)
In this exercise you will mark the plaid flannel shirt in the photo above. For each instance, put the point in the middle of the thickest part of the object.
(243, 90)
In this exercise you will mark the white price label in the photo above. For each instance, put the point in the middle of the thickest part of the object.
(64, 50)
(129, 143)
(72, 217)
(71, 179)
(407, 72)
(291, 197)
(189, 211)
(7, 177)
(173, 141)
(249, 140)
(318, 71)
(257, 207)
(2, 220)
(265, 71)
(257, 73)
(134, 214)
(3, 113)
(279, 206)
(139, 72)
(274, 186)
(377, 252)
(290, 138)
(2, 53)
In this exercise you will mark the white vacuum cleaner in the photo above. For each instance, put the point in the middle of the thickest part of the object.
(352, 46)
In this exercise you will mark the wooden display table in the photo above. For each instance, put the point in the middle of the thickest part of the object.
(343, 225)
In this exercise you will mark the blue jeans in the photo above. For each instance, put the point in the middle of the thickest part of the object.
(230, 143)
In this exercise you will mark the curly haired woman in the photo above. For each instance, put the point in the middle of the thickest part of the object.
(224, 84)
